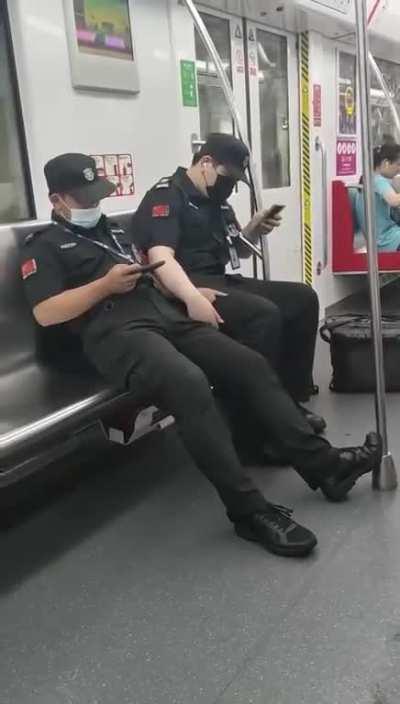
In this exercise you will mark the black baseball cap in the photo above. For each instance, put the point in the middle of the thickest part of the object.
(76, 174)
(230, 152)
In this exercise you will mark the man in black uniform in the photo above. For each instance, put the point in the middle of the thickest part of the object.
(187, 221)
(82, 270)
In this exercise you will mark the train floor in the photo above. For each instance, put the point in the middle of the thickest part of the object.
(123, 583)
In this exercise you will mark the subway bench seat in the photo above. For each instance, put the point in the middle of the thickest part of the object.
(46, 409)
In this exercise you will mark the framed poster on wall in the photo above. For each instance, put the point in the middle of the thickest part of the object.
(347, 94)
(101, 45)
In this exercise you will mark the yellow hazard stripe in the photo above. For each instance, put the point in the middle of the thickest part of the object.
(306, 159)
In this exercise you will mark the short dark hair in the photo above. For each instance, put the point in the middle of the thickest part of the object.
(386, 152)
(196, 158)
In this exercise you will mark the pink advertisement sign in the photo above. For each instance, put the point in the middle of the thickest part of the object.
(346, 157)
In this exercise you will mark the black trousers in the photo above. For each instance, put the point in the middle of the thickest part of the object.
(277, 319)
(149, 344)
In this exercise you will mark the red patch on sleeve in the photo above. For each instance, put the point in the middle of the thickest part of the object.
(160, 211)
(28, 268)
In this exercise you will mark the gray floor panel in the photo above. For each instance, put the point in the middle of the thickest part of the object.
(130, 588)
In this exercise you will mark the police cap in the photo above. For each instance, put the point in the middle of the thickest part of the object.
(228, 151)
(76, 174)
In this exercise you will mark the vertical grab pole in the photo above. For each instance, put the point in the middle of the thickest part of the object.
(230, 99)
(384, 478)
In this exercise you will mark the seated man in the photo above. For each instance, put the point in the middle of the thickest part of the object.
(187, 221)
(82, 270)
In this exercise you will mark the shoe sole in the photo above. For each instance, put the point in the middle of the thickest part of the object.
(247, 534)
(340, 492)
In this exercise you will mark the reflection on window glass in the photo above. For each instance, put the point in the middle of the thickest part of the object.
(382, 120)
(347, 99)
(14, 202)
(214, 111)
(274, 109)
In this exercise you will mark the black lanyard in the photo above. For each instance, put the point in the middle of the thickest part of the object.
(117, 252)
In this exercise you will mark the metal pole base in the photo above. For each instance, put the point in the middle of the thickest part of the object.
(385, 478)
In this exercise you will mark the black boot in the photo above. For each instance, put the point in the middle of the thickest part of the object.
(277, 532)
(353, 462)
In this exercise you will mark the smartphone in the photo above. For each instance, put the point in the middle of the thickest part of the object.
(149, 268)
(275, 210)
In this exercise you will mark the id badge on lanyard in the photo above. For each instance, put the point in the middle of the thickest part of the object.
(231, 236)
(117, 252)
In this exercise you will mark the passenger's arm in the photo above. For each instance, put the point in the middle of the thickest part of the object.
(261, 224)
(391, 197)
(173, 278)
(73, 303)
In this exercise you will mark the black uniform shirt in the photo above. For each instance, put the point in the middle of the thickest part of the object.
(174, 213)
(63, 256)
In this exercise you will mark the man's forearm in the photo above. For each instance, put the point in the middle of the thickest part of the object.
(172, 276)
(250, 232)
(70, 304)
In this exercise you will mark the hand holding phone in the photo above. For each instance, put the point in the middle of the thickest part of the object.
(274, 211)
(123, 278)
(147, 268)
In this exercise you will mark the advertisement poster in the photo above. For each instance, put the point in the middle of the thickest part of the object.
(347, 94)
(346, 157)
(103, 28)
(117, 168)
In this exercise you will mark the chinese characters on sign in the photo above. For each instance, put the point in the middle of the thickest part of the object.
(189, 84)
(346, 157)
(317, 105)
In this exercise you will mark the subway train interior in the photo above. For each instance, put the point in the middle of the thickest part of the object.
(122, 580)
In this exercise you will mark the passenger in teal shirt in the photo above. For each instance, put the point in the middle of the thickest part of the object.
(386, 167)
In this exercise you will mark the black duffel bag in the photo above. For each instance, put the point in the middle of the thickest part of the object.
(349, 337)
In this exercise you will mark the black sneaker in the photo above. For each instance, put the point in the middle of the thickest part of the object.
(276, 531)
(318, 423)
(353, 463)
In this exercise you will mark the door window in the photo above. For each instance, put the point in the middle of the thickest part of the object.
(382, 119)
(274, 109)
(14, 189)
(214, 112)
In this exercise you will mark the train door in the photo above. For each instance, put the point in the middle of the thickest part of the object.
(214, 115)
(274, 118)
(261, 65)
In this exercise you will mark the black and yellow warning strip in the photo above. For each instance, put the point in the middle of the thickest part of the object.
(306, 159)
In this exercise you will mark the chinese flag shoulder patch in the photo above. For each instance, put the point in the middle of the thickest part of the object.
(160, 211)
(28, 268)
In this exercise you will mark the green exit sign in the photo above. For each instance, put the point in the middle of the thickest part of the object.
(189, 84)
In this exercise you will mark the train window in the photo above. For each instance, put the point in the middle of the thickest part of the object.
(214, 112)
(383, 127)
(274, 109)
(15, 196)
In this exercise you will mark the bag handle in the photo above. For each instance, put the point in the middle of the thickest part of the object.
(327, 328)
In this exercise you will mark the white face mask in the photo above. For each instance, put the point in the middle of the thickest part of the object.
(85, 217)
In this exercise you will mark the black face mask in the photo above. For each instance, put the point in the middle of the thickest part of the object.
(222, 189)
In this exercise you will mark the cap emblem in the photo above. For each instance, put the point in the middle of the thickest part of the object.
(89, 174)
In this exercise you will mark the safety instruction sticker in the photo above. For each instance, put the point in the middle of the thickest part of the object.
(317, 105)
(346, 157)
(117, 168)
(253, 67)
(189, 84)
